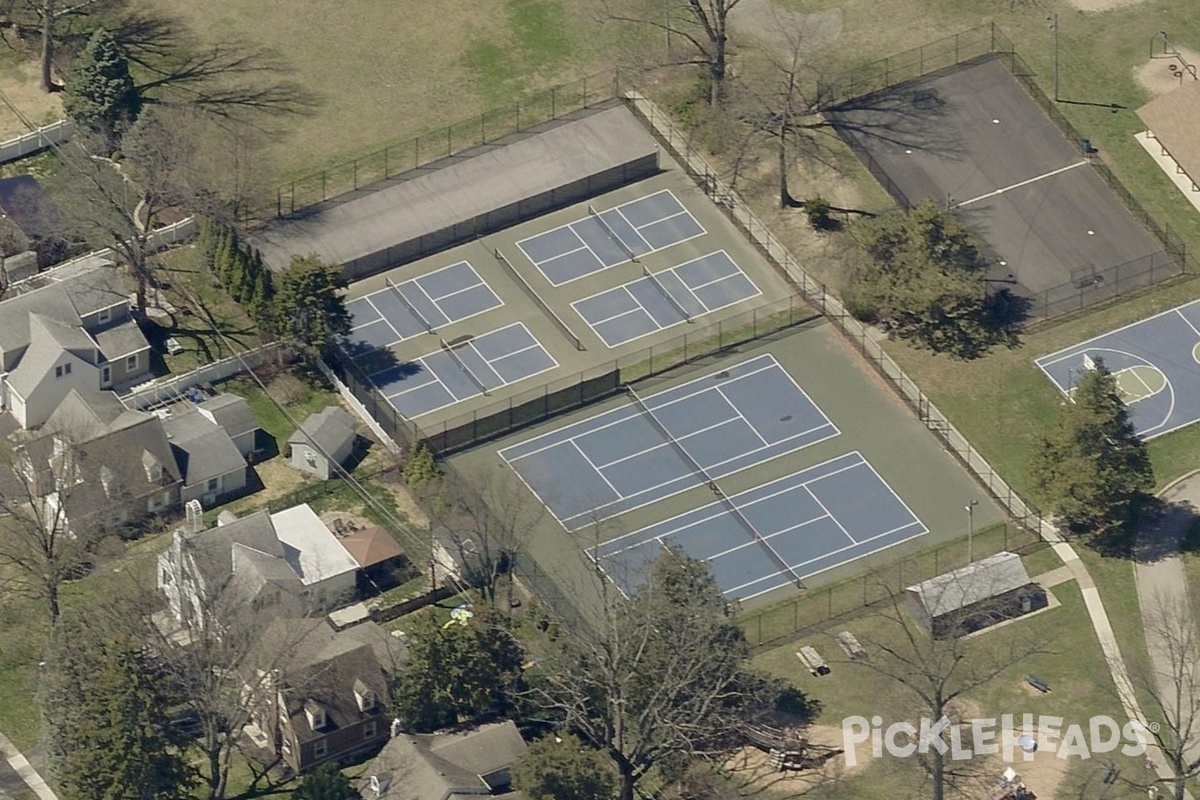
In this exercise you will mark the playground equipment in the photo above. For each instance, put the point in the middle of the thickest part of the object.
(1179, 64)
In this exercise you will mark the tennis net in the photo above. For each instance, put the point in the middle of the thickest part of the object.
(714, 487)
(462, 365)
(613, 234)
(537, 298)
(411, 308)
(663, 289)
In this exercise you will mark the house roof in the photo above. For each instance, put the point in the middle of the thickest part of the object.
(50, 339)
(309, 546)
(50, 301)
(91, 413)
(64, 294)
(231, 412)
(988, 577)
(1172, 118)
(202, 448)
(213, 547)
(441, 765)
(389, 650)
(371, 546)
(121, 340)
(328, 429)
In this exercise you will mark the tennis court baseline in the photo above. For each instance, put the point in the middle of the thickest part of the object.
(607, 238)
(655, 302)
(431, 301)
(460, 371)
(1156, 362)
(814, 520)
(619, 460)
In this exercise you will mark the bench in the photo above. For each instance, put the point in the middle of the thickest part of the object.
(811, 659)
(850, 645)
(1038, 683)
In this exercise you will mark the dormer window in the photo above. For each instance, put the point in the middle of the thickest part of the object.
(317, 718)
(105, 315)
(364, 696)
(62, 369)
(154, 467)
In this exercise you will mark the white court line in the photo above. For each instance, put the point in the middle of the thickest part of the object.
(840, 526)
(1188, 322)
(680, 439)
(1049, 174)
(592, 464)
(624, 417)
(615, 316)
(632, 227)
(1143, 361)
(1075, 349)
(741, 416)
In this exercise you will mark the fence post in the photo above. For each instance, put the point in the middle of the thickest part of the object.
(356, 173)
(386, 174)
(553, 109)
(956, 59)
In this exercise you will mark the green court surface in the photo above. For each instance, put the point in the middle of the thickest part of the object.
(1139, 382)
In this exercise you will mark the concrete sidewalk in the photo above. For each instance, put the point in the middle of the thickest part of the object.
(24, 769)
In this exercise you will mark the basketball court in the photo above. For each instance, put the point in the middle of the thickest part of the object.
(1156, 363)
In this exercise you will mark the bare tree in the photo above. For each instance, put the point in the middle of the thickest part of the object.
(1173, 686)
(938, 670)
(703, 24)
(660, 676)
(487, 517)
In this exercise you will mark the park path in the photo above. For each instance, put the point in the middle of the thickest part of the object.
(24, 769)
(1161, 579)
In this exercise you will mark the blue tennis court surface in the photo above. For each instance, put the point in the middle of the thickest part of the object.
(399, 312)
(611, 237)
(620, 460)
(675, 295)
(1157, 365)
(445, 377)
(814, 520)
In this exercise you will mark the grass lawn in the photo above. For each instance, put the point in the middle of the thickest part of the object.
(1062, 648)
(386, 72)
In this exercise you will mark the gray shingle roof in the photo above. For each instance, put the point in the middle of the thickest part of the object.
(121, 340)
(66, 296)
(329, 429)
(232, 413)
(988, 577)
(440, 765)
(50, 339)
(202, 448)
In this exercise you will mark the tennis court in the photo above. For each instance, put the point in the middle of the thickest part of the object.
(662, 299)
(421, 305)
(1156, 363)
(772, 535)
(614, 236)
(669, 442)
(463, 369)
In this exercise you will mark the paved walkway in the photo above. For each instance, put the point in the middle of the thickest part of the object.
(1162, 589)
(24, 769)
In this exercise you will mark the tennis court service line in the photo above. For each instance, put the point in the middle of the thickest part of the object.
(1035, 179)
(715, 487)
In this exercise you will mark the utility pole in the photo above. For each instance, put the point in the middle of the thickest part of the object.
(970, 509)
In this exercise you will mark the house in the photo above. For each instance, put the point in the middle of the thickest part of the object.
(323, 697)
(322, 442)
(976, 596)
(121, 472)
(232, 413)
(67, 329)
(212, 467)
(440, 766)
(262, 556)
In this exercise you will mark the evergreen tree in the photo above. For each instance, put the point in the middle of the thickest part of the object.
(1091, 467)
(308, 305)
(108, 723)
(100, 96)
(421, 467)
(457, 673)
(562, 768)
(326, 782)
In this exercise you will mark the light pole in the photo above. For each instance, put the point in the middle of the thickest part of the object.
(970, 509)
(1053, 20)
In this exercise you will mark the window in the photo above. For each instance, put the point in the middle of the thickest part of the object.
(320, 748)
(213, 483)
(131, 363)
(369, 729)
(105, 315)
(62, 369)
(105, 375)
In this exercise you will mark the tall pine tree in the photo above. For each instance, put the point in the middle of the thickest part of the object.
(101, 96)
(308, 303)
(1090, 467)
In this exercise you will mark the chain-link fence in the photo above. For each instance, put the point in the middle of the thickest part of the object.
(396, 159)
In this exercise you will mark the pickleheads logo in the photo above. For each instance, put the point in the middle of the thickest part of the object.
(1008, 737)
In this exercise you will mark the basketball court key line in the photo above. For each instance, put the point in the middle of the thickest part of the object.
(1035, 179)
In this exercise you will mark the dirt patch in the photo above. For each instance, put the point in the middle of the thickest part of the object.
(22, 86)
(1163, 74)
(780, 29)
(753, 765)
(1103, 5)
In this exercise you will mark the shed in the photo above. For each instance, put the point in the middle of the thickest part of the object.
(976, 596)
(323, 441)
